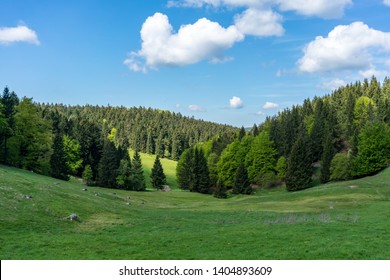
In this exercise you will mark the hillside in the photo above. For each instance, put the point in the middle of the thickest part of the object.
(347, 220)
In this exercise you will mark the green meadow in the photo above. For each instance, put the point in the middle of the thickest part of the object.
(344, 220)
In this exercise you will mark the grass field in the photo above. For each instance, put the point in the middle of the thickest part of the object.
(348, 220)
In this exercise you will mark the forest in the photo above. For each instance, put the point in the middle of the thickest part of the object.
(340, 136)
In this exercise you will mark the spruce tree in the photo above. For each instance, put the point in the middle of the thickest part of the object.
(157, 176)
(327, 155)
(185, 170)
(241, 182)
(202, 174)
(88, 175)
(108, 165)
(138, 179)
(299, 169)
(124, 178)
(58, 165)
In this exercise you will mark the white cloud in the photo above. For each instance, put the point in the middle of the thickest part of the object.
(373, 72)
(260, 113)
(386, 2)
(217, 3)
(203, 40)
(270, 105)
(334, 84)
(236, 102)
(196, 108)
(257, 22)
(20, 33)
(320, 8)
(346, 47)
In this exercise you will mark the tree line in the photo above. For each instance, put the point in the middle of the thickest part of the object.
(92, 142)
(340, 136)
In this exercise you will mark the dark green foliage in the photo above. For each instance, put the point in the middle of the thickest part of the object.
(157, 176)
(109, 165)
(8, 102)
(241, 182)
(241, 133)
(58, 166)
(220, 190)
(201, 172)
(185, 170)
(138, 178)
(373, 149)
(327, 155)
(340, 167)
(299, 169)
(124, 178)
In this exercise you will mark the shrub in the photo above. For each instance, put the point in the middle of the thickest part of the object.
(340, 167)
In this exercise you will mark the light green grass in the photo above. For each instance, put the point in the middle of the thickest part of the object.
(331, 221)
(169, 167)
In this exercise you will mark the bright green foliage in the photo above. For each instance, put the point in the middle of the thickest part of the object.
(364, 111)
(261, 158)
(281, 168)
(241, 182)
(109, 165)
(373, 149)
(157, 176)
(340, 167)
(88, 175)
(299, 170)
(58, 164)
(72, 155)
(231, 158)
(138, 179)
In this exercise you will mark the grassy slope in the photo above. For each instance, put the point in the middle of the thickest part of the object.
(332, 221)
(169, 167)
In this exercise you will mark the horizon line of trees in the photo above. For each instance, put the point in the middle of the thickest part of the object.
(92, 142)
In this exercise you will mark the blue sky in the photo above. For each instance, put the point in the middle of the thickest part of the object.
(228, 61)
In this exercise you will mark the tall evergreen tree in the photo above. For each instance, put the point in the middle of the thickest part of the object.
(327, 155)
(299, 169)
(185, 170)
(201, 172)
(109, 165)
(124, 177)
(157, 175)
(58, 160)
(138, 178)
(241, 182)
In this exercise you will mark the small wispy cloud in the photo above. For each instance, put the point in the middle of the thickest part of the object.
(270, 105)
(21, 33)
(236, 102)
(196, 108)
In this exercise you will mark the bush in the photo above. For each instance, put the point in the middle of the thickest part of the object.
(340, 167)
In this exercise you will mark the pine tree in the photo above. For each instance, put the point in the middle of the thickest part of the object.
(241, 182)
(138, 178)
(201, 174)
(327, 155)
(157, 176)
(9, 101)
(108, 165)
(241, 133)
(299, 169)
(124, 177)
(58, 165)
(185, 170)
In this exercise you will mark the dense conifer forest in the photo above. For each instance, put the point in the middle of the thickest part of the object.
(339, 136)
